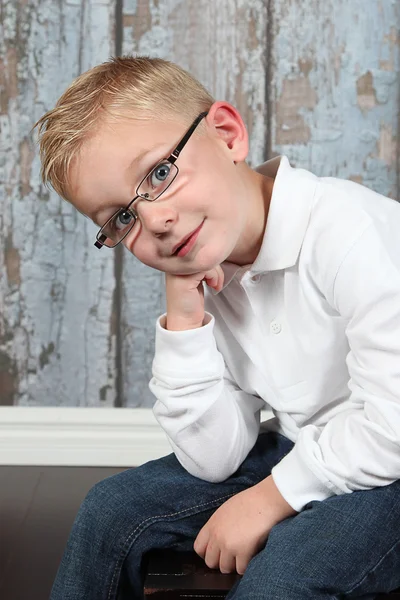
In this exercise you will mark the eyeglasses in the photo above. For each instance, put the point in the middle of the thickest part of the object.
(156, 182)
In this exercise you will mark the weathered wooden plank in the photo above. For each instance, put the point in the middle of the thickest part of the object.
(224, 45)
(335, 88)
(334, 97)
(57, 343)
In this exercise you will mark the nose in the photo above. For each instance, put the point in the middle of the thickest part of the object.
(156, 217)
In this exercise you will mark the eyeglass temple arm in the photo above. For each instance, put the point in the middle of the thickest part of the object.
(185, 138)
(99, 243)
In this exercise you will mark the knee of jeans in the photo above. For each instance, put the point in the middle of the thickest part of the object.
(105, 502)
(95, 499)
(109, 515)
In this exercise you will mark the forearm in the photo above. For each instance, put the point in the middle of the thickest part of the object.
(208, 432)
(210, 423)
(276, 501)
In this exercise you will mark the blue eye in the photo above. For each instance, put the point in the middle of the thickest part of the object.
(122, 220)
(160, 174)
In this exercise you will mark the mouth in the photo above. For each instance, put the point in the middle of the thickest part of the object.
(187, 243)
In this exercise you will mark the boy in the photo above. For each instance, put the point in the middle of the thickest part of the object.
(300, 309)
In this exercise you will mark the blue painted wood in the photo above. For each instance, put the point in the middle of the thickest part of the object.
(329, 99)
(223, 45)
(335, 88)
(57, 346)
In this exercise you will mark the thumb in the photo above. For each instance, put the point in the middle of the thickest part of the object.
(215, 278)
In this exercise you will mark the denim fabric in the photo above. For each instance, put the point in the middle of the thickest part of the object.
(344, 547)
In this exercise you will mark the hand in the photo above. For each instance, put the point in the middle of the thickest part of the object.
(185, 297)
(239, 528)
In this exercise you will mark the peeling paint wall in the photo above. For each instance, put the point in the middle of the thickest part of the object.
(223, 44)
(56, 345)
(317, 81)
(335, 88)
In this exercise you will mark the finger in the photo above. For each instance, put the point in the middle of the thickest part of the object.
(212, 556)
(211, 274)
(212, 282)
(214, 278)
(221, 278)
(242, 562)
(200, 543)
(227, 562)
(219, 274)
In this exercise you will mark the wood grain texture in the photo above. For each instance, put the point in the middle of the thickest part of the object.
(38, 506)
(224, 45)
(57, 345)
(335, 88)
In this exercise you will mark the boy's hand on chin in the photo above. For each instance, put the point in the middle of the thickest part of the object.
(185, 297)
(239, 528)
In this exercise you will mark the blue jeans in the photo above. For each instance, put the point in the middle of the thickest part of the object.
(344, 547)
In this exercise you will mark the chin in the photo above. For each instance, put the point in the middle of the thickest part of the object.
(206, 261)
(203, 260)
(193, 267)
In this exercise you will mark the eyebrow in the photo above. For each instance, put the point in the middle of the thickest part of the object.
(135, 162)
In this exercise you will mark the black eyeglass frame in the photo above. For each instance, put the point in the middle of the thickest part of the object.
(101, 237)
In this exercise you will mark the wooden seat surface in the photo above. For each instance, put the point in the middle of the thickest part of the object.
(171, 575)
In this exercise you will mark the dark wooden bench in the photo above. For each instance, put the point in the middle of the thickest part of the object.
(171, 575)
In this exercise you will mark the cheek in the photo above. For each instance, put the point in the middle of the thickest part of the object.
(220, 196)
(141, 252)
(134, 242)
(146, 258)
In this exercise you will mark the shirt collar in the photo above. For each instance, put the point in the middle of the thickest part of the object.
(288, 217)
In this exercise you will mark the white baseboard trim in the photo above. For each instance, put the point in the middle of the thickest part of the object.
(92, 437)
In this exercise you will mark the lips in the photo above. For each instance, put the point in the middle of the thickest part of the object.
(186, 238)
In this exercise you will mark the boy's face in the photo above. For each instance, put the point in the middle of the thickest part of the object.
(208, 192)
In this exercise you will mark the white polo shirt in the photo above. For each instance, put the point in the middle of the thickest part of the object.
(310, 330)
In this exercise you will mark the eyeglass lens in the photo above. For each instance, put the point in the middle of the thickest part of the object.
(152, 186)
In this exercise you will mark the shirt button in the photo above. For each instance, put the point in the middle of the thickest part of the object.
(276, 327)
(256, 278)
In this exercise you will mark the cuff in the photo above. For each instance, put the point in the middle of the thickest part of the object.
(188, 352)
(297, 483)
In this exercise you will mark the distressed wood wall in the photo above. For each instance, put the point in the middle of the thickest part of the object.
(317, 81)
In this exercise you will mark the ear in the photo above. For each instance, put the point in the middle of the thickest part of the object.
(226, 123)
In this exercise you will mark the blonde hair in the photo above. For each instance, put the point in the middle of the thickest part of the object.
(138, 87)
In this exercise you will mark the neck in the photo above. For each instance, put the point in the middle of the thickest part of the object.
(259, 199)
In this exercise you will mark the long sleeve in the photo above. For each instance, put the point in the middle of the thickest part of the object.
(358, 449)
(210, 423)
